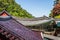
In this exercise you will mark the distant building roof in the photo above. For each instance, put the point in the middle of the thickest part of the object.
(33, 21)
(28, 23)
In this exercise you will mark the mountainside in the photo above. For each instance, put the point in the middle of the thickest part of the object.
(14, 9)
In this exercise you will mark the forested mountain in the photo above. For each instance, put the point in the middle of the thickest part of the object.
(14, 9)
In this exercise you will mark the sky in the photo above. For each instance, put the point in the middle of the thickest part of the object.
(37, 8)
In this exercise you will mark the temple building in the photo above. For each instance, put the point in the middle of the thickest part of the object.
(11, 29)
(44, 24)
(39, 23)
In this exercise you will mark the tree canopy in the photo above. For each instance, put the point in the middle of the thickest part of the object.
(14, 9)
(55, 13)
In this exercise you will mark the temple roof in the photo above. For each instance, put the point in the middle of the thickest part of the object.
(33, 21)
(4, 16)
(17, 29)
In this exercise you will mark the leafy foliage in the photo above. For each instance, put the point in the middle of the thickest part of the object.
(55, 13)
(14, 9)
(51, 14)
(57, 16)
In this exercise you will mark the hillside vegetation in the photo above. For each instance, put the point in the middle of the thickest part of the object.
(14, 9)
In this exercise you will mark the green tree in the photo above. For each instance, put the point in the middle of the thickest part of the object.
(14, 9)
